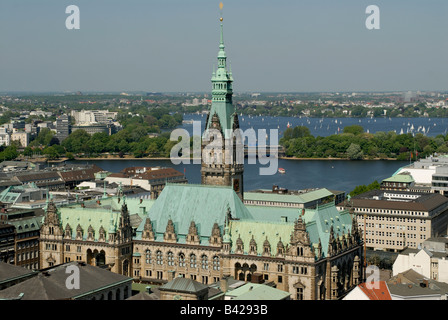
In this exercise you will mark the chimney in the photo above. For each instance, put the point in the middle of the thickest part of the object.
(224, 282)
(257, 278)
(424, 283)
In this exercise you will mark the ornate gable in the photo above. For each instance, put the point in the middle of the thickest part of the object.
(170, 234)
(68, 232)
(148, 232)
(193, 237)
(300, 244)
(215, 238)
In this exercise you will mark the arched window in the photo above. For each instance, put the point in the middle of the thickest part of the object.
(300, 251)
(216, 263)
(204, 262)
(193, 261)
(170, 258)
(159, 257)
(181, 260)
(148, 256)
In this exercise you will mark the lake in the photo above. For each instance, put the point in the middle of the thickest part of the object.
(341, 175)
(327, 126)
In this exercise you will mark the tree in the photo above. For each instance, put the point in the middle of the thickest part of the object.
(51, 153)
(354, 152)
(10, 153)
(28, 152)
(355, 129)
(301, 132)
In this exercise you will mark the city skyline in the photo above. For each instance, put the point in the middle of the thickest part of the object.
(164, 46)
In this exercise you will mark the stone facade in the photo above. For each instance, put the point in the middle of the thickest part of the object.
(95, 245)
(297, 266)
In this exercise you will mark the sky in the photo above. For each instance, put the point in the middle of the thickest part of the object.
(273, 46)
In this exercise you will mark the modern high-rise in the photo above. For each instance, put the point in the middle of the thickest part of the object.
(62, 127)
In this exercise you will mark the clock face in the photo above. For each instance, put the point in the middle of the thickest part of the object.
(236, 185)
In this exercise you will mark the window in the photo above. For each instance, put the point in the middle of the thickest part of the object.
(216, 263)
(181, 260)
(159, 258)
(204, 262)
(193, 261)
(148, 256)
(299, 295)
(170, 258)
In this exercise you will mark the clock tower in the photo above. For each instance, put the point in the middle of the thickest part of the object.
(223, 165)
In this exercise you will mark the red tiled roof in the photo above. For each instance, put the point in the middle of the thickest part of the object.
(378, 290)
(160, 174)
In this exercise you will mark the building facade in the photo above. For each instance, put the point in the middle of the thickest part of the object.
(316, 257)
(395, 220)
(431, 260)
(100, 236)
(7, 242)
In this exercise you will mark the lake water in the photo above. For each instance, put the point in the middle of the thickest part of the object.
(327, 126)
(341, 175)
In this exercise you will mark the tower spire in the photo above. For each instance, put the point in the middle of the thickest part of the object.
(222, 117)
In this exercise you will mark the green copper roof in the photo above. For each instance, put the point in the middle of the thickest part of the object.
(255, 291)
(292, 198)
(260, 231)
(267, 222)
(403, 178)
(204, 204)
(319, 221)
(26, 224)
(222, 92)
(106, 214)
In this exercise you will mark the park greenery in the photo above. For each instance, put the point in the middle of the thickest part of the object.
(363, 188)
(355, 144)
(145, 133)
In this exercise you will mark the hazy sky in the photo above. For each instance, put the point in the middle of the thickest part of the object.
(171, 45)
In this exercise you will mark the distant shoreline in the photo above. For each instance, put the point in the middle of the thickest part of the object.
(282, 158)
